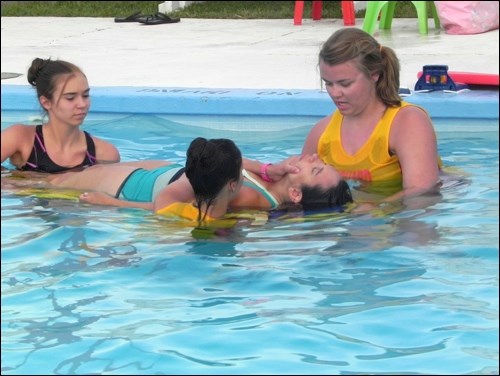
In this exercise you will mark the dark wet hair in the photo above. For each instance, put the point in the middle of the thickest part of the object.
(43, 75)
(210, 165)
(371, 57)
(315, 198)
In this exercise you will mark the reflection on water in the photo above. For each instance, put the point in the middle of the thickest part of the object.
(89, 290)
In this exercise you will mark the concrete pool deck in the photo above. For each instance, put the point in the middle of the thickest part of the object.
(210, 53)
(271, 55)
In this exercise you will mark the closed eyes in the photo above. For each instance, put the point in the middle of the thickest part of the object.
(317, 170)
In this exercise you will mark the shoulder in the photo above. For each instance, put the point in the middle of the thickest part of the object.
(324, 121)
(21, 132)
(314, 135)
(412, 111)
(99, 142)
(20, 129)
(411, 117)
(105, 151)
(321, 125)
(17, 143)
(412, 123)
(177, 191)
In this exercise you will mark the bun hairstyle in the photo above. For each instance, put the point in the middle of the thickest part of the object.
(210, 165)
(43, 74)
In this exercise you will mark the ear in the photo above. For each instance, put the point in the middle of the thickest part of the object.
(45, 102)
(375, 77)
(233, 185)
(295, 194)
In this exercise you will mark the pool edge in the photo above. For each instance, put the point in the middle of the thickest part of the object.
(477, 104)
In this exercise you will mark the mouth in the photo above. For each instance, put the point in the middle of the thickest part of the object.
(341, 104)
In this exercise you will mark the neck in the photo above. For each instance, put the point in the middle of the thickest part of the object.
(278, 189)
(219, 206)
(61, 134)
(217, 209)
(375, 109)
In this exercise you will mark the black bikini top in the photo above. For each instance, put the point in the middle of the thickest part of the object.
(40, 161)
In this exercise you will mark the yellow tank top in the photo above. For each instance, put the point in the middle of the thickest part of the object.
(372, 162)
(183, 210)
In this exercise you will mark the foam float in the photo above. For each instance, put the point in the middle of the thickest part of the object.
(437, 77)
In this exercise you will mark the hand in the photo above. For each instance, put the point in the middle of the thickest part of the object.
(279, 170)
(97, 198)
(364, 207)
(379, 209)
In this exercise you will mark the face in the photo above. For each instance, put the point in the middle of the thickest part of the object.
(348, 87)
(314, 172)
(71, 101)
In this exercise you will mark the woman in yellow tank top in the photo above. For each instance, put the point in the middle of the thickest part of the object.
(372, 136)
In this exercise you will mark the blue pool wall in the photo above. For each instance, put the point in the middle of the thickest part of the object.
(474, 104)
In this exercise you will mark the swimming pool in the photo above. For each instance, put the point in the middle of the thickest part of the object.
(118, 291)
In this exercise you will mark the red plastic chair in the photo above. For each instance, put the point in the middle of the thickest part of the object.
(348, 13)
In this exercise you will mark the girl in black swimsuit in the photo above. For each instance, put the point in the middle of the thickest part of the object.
(58, 145)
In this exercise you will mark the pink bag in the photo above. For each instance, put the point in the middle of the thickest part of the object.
(467, 17)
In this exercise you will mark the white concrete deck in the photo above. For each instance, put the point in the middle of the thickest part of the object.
(208, 53)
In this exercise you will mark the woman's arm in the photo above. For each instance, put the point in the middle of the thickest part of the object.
(178, 191)
(312, 139)
(271, 171)
(16, 143)
(414, 142)
(105, 151)
(276, 171)
(101, 198)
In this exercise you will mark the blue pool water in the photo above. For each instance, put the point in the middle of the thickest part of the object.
(89, 290)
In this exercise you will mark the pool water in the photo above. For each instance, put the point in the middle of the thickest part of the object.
(93, 290)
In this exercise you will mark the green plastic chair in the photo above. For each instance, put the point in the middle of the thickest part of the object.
(386, 10)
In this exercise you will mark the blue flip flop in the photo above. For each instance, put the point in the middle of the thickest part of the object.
(132, 18)
(158, 19)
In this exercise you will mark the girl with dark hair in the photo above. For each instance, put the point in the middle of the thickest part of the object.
(199, 191)
(316, 186)
(59, 144)
(212, 181)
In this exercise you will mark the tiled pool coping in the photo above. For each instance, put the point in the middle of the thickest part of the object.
(476, 104)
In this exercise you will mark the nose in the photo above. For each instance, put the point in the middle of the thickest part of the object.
(334, 91)
(82, 102)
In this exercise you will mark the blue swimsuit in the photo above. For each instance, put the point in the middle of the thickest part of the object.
(143, 185)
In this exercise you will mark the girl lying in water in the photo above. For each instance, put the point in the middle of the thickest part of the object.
(212, 181)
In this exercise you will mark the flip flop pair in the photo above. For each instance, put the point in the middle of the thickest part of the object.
(157, 19)
(132, 18)
(153, 19)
